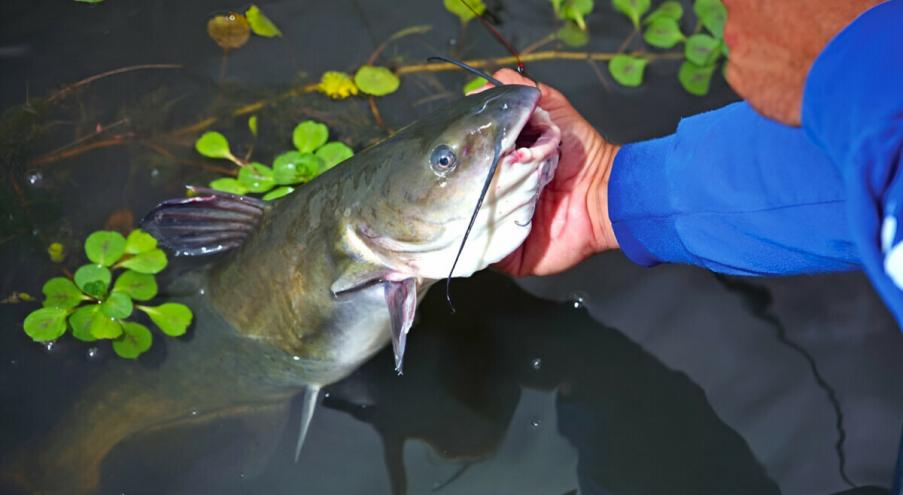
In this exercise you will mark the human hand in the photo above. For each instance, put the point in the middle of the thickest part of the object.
(571, 219)
(773, 44)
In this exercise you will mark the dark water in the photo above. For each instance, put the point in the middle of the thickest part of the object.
(610, 379)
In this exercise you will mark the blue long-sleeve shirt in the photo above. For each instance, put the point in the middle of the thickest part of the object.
(737, 193)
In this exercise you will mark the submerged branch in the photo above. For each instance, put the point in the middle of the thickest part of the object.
(533, 57)
(65, 91)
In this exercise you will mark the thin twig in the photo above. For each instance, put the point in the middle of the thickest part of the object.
(62, 93)
(78, 150)
(376, 115)
(532, 57)
(93, 135)
(400, 34)
(545, 40)
(627, 41)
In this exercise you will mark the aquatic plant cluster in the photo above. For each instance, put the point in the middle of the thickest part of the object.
(97, 300)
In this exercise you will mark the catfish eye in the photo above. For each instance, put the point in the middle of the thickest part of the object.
(443, 160)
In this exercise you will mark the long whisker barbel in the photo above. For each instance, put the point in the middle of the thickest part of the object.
(472, 70)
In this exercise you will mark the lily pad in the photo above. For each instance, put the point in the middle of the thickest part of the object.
(702, 49)
(138, 286)
(633, 9)
(104, 247)
(474, 84)
(627, 70)
(104, 327)
(229, 185)
(461, 9)
(80, 321)
(93, 280)
(56, 252)
(229, 31)
(172, 318)
(667, 10)
(695, 79)
(135, 340)
(309, 135)
(663, 33)
(46, 324)
(149, 262)
(278, 193)
(712, 14)
(261, 24)
(294, 167)
(60, 292)
(376, 81)
(256, 177)
(139, 241)
(117, 305)
(333, 153)
(570, 34)
(213, 145)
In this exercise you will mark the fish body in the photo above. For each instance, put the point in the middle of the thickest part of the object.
(318, 282)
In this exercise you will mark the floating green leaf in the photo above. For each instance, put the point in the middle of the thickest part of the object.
(138, 286)
(667, 10)
(695, 79)
(60, 292)
(104, 247)
(702, 49)
(252, 124)
(150, 262)
(474, 84)
(104, 327)
(627, 70)
(229, 185)
(80, 321)
(294, 167)
(135, 340)
(214, 145)
(45, 324)
(574, 11)
(712, 14)
(261, 24)
(663, 33)
(570, 34)
(139, 241)
(93, 280)
(309, 135)
(172, 318)
(256, 177)
(634, 9)
(376, 81)
(57, 252)
(278, 193)
(333, 153)
(229, 31)
(465, 13)
(117, 305)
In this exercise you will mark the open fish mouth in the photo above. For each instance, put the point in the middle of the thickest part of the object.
(536, 140)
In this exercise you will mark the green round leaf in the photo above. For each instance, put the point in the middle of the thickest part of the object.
(702, 49)
(45, 324)
(333, 153)
(570, 34)
(627, 70)
(252, 124)
(135, 340)
(309, 135)
(667, 10)
(474, 84)
(257, 177)
(712, 14)
(80, 321)
(117, 305)
(213, 145)
(695, 79)
(138, 286)
(229, 185)
(60, 292)
(150, 262)
(663, 33)
(57, 252)
(634, 9)
(93, 280)
(104, 247)
(261, 24)
(465, 13)
(104, 327)
(172, 318)
(376, 81)
(139, 241)
(294, 167)
(278, 193)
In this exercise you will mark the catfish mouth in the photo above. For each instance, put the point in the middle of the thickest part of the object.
(536, 140)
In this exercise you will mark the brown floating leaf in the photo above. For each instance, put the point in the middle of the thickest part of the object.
(229, 31)
(121, 220)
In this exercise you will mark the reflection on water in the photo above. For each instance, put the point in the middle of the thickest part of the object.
(638, 382)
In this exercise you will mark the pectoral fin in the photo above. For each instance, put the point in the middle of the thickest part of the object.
(401, 298)
(209, 222)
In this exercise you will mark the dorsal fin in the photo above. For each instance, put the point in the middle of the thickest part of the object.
(209, 222)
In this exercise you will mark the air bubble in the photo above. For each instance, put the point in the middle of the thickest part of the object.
(325, 395)
(34, 178)
(194, 413)
(577, 300)
(93, 354)
(535, 424)
(50, 346)
(296, 358)
(202, 291)
(536, 364)
(154, 173)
